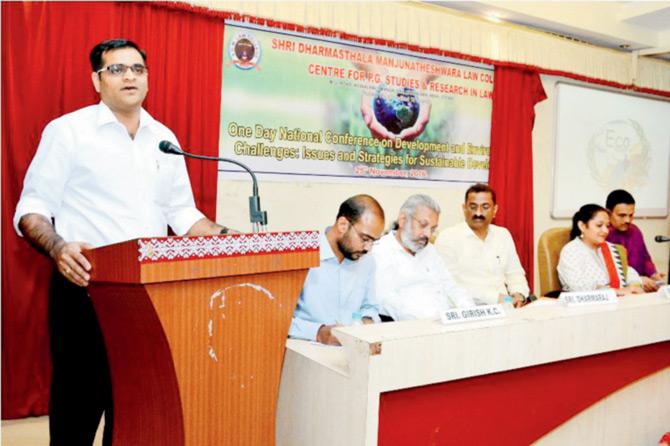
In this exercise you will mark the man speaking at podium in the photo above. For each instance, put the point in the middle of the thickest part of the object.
(99, 176)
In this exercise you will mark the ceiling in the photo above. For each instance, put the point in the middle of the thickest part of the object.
(631, 26)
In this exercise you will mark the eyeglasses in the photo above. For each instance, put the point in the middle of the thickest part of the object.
(119, 69)
(366, 239)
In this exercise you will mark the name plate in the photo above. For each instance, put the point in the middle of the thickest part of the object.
(665, 291)
(578, 298)
(469, 314)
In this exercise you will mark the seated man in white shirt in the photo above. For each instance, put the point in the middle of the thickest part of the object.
(412, 280)
(482, 256)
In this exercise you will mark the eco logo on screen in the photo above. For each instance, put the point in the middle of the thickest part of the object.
(618, 154)
(245, 51)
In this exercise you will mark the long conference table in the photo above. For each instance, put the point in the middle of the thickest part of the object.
(545, 374)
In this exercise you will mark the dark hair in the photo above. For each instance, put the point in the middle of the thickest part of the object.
(108, 45)
(353, 208)
(618, 196)
(480, 187)
(585, 214)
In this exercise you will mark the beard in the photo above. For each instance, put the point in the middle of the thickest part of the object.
(345, 248)
(414, 244)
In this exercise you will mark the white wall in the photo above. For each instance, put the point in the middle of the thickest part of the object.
(303, 205)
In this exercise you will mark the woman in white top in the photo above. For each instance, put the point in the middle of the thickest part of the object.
(588, 262)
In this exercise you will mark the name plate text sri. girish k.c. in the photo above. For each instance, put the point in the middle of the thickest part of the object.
(479, 313)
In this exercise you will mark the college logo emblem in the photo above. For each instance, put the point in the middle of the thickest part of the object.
(245, 51)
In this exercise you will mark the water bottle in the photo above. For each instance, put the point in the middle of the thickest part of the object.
(508, 303)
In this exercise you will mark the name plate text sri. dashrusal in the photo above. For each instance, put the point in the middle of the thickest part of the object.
(578, 298)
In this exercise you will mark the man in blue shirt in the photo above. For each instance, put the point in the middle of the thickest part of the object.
(342, 288)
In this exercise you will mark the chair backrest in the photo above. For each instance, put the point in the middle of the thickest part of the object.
(548, 250)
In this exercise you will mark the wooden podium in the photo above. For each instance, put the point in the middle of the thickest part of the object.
(195, 330)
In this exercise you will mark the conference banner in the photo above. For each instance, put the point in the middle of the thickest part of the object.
(295, 105)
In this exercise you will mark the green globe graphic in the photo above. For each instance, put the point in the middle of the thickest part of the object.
(395, 109)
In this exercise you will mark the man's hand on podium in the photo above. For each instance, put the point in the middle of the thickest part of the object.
(71, 262)
(325, 335)
(68, 257)
(205, 226)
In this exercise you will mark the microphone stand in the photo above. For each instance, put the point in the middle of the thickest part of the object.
(662, 239)
(258, 218)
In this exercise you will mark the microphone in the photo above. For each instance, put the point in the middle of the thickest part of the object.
(661, 239)
(168, 147)
(258, 218)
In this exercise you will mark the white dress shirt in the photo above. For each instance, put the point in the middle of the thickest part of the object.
(414, 286)
(581, 268)
(485, 268)
(103, 187)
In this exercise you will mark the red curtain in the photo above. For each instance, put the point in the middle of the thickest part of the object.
(45, 73)
(515, 93)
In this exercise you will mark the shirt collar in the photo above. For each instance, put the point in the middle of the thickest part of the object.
(621, 234)
(584, 245)
(467, 230)
(398, 246)
(105, 116)
(325, 251)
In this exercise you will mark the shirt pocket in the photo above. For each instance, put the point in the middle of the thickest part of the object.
(496, 262)
(162, 177)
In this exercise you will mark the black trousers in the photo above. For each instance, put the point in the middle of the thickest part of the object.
(81, 388)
